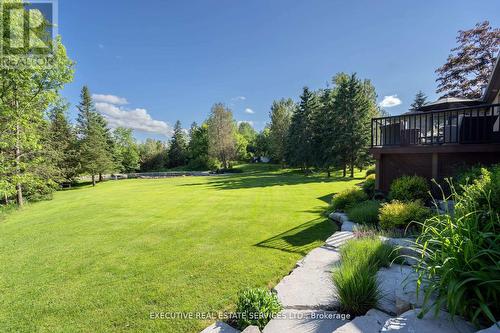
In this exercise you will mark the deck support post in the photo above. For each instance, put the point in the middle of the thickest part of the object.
(378, 176)
(435, 165)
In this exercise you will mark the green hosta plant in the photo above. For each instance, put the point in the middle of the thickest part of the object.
(256, 306)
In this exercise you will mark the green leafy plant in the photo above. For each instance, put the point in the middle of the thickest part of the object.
(409, 188)
(460, 254)
(256, 306)
(356, 278)
(347, 198)
(370, 171)
(369, 186)
(365, 212)
(398, 214)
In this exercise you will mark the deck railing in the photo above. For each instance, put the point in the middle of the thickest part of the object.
(478, 124)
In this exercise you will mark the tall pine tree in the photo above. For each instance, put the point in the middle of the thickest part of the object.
(177, 151)
(62, 143)
(94, 152)
(419, 101)
(354, 106)
(300, 151)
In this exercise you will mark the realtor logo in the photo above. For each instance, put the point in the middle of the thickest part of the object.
(27, 30)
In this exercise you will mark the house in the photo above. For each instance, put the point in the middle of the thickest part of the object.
(440, 138)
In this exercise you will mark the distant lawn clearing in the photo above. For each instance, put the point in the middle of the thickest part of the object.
(102, 259)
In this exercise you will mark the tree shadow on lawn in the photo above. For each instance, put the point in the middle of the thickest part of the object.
(302, 238)
(234, 182)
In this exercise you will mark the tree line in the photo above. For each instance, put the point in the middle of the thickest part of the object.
(326, 129)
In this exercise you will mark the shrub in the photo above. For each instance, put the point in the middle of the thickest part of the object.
(370, 171)
(397, 214)
(364, 213)
(467, 176)
(369, 186)
(356, 278)
(347, 198)
(409, 188)
(460, 253)
(256, 306)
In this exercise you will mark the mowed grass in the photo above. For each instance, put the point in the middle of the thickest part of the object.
(103, 259)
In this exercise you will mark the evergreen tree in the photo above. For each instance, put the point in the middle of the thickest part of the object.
(300, 140)
(354, 106)
(419, 101)
(127, 151)
(281, 117)
(325, 132)
(62, 144)
(177, 152)
(95, 156)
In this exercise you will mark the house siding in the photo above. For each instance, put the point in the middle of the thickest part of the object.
(428, 165)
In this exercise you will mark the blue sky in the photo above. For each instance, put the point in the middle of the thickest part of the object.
(169, 60)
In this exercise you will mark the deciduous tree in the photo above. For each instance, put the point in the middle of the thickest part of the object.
(26, 91)
(281, 117)
(221, 134)
(126, 149)
(469, 66)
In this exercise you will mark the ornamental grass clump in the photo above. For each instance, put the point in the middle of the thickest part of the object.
(256, 306)
(460, 254)
(356, 278)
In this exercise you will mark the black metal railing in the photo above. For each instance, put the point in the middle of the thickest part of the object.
(478, 124)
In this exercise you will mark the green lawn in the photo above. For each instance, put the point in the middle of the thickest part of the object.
(102, 259)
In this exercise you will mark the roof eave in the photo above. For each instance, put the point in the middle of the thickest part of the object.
(493, 86)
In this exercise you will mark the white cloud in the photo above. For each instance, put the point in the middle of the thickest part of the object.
(249, 111)
(109, 99)
(238, 98)
(136, 119)
(390, 101)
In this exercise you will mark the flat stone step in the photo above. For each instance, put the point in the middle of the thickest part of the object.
(372, 322)
(220, 327)
(339, 238)
(310, 285)
(409, 323)
(398, 287)
(305, 321)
